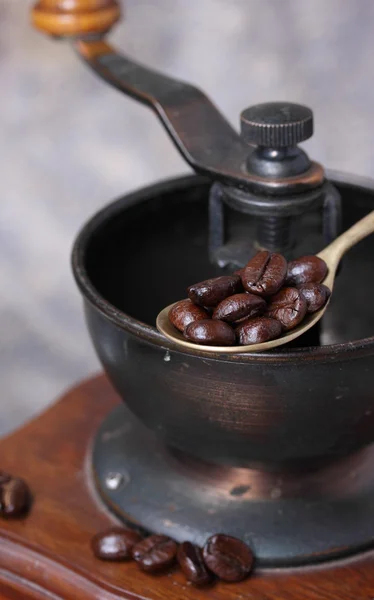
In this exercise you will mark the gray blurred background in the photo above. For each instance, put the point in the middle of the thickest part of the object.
(70, 144)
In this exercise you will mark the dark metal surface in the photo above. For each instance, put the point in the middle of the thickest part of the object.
(298, 404)
(288, 519)
(276, 234)
(331, 214)
(276, 124)
(275, 169)
(217, 227)
(272, 231)
(282, 206)
(200, 132)
(276, 128)
(277, 220)
(277, 163)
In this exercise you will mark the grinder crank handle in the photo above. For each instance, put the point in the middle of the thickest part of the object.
(200, 132)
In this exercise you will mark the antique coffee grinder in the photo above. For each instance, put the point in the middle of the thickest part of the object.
(275, 448)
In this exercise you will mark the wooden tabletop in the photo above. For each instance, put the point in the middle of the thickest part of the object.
(47, 554)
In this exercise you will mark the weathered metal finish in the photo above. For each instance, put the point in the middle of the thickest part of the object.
(276, 219)
(331, 214)
(276, 124)
(200, 132)
(218, 252)
(277, 223)
(267, 181)
(287, 518)
(296, 405)
(271, 180)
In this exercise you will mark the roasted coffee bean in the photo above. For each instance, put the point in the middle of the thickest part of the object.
(115, 543)
(238, 306)
(228, 558)
(185, 312)
(264, 274)
(210, 333)
(190, 559)
(258, 330)
(287, 306)
(15, 497)
(306, 269)
(4, 477)
(315, 294)
(212, 291)
(155, 553)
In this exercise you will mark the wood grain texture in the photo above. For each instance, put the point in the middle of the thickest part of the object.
(47, 555)
(75, 17)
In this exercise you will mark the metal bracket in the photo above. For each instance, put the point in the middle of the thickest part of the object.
(198, 129)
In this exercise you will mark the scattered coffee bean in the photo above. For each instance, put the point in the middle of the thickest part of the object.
(258, 331)
(210, 333)
(306, 269)
(155, 553)
(4, 477)
(287, 306)
(264, 274)
(212, 291)
(315, 294)
(228, 558)
(115, 543)
(239, 306)
(15, 497)
(190, 559)
(185, 312)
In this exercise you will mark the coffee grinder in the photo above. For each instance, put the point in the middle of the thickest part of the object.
(275, 448)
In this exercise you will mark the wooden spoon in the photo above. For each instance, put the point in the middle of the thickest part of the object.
(332, 255)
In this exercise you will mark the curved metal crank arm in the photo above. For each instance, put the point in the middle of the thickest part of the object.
(200, 132)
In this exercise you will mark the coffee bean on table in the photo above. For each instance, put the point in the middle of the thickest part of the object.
(306, 269)
(315, 294)
(212, 291)
(15, 497)
(4, 477)
(190, 559)
(258, 331)
(264, 274)
(287, 306)
(228, 558)
(239, 306)
(115, 543)
(210, 333)
(155, 553)
(185, 312)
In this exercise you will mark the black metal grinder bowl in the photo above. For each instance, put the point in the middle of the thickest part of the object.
(274, 448)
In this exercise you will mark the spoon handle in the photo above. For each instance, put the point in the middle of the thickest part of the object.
(349, 238)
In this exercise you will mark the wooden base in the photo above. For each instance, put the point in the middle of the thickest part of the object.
(47, 554)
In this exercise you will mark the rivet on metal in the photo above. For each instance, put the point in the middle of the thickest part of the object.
(113, 481)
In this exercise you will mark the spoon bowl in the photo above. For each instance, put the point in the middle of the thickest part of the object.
(332, 255)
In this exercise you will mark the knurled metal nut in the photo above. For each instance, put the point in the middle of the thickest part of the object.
(276, 124)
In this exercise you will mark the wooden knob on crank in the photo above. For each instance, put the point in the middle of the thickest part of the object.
(75, 17)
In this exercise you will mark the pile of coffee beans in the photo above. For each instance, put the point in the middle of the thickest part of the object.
(15, 496)
(254, 305)
(223, 557)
